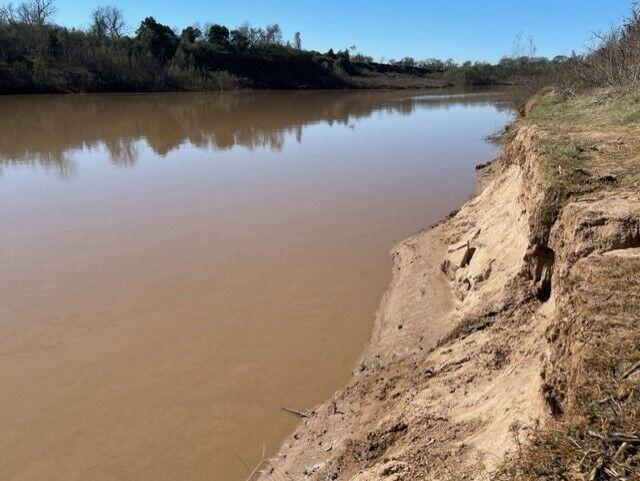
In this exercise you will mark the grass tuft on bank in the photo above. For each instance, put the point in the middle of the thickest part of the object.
(588, 143)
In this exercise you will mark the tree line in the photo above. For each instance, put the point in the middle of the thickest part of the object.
(38, 56)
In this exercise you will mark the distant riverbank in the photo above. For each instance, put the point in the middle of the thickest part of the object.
(37, 56)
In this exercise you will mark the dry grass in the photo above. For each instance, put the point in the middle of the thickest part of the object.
(590, 143)
(605, 107)
(597, 435)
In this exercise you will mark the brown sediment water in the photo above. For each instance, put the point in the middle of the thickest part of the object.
(178, 267)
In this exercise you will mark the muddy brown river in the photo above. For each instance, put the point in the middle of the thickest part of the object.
(176, 268)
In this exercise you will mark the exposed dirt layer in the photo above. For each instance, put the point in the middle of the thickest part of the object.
(506, 324)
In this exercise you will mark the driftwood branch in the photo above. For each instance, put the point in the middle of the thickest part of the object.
(302, 414)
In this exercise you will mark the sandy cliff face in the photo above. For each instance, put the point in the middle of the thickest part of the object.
(471, 353)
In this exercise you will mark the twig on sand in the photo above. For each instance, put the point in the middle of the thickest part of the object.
(631, 370)
(302, 414)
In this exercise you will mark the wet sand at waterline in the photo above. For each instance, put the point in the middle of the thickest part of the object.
(178, 267)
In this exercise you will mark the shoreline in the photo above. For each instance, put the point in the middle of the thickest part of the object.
(458, 372)
(441, 86)
(419, 308)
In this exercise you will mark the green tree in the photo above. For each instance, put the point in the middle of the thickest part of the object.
(240, 39)
(190, 34)
(218, 35)
(407, 62)
(157, 38)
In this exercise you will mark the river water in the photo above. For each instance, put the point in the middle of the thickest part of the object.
(176, 268)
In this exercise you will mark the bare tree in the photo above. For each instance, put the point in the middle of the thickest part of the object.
(36, 12)
(115, 22)
(523, 47)
(616, 58)
(272, 34)
(7, 14)
(108, 21)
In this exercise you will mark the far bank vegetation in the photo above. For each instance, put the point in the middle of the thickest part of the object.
(36, 55)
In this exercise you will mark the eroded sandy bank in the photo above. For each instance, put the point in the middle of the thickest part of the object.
(464, 361)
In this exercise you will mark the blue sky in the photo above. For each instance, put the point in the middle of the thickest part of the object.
(460, 29)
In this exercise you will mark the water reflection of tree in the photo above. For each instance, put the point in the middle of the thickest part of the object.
(43, 130)
(58, 161)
